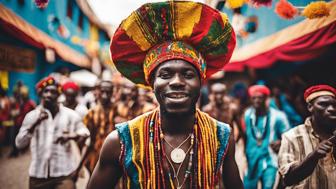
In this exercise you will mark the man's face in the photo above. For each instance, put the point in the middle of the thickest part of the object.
(70, 95)
(49, 95)
(105, 92)
(324, 108)
(218, 92)
(258, 100)
(130, 92)
(176, 85)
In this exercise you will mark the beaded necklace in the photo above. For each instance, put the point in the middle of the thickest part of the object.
(259, 134)
(146, 164)
(176, 173)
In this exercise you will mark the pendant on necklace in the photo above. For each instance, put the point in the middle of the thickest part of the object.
(177, 155)
(259, 142)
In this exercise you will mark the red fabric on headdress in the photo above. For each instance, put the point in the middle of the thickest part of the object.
(70, 85)
(259, 89)
(318, 90)
(45, 82)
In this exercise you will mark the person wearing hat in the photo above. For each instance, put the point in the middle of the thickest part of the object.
(307, 153)
(70, 90)
(49, 129)
(171, 47)
(264, 127)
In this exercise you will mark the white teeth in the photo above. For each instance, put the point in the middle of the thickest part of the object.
(177, 95)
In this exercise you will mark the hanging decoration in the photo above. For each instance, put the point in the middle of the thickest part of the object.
(233, 4)
(316, 9)
(56, 25)
(77, 40)
(251, 25)
(50, 55)
(259, 3)
(63, 31)
(286, 10)
(41, 3)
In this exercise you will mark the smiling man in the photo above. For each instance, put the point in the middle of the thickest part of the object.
(171, 47)
(307, 153)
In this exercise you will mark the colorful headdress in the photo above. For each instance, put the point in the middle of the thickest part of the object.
(255, 89)
(157, 32)
(45, 82)
(318, 90)
(70, 85)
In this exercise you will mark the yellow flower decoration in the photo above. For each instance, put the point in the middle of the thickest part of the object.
(316, 9)
(233, 4)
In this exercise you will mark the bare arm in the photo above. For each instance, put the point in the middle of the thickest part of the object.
(107, 171)
(231, 176)
(237, 120)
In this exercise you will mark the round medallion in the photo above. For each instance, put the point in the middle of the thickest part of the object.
(177, 155)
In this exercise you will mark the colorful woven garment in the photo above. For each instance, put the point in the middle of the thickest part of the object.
(143, 155)
(157, 32)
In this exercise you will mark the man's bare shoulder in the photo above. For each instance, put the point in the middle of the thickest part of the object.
(111, 148)
(207, 108)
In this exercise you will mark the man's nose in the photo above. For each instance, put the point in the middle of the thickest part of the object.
(177, 81)
(104, 95)
(332, 109)
(48, 93)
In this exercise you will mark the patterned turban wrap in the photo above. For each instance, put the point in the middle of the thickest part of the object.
(70, 85)
(259, 89)
(45, 82)
(158, 32)
(318, 90)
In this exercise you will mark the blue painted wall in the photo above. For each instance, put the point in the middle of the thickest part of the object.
(40, 19)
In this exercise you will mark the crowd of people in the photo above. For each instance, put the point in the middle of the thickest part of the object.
(126, 138)
(65, 141)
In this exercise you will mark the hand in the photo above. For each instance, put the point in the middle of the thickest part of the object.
(43, 116)
(275, 146)
(323, 149)
(63, 139)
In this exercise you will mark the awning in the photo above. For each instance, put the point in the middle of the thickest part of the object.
(303, 41)
(19, 28)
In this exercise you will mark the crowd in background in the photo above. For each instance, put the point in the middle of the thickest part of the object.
(111, 102)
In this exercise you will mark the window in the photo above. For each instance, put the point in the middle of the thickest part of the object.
(69, 9)
(80, 20)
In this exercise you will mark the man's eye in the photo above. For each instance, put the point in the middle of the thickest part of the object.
(164, 75)
(323, 104)
(189, 75)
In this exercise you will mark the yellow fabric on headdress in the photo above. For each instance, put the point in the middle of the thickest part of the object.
(185, 20)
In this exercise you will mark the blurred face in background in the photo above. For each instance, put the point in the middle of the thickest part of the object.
(258, 101)
(70, 95)
(105, 92)
(130, 92)
(218, 92)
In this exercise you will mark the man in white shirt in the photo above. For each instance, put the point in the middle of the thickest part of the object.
(49, 129)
